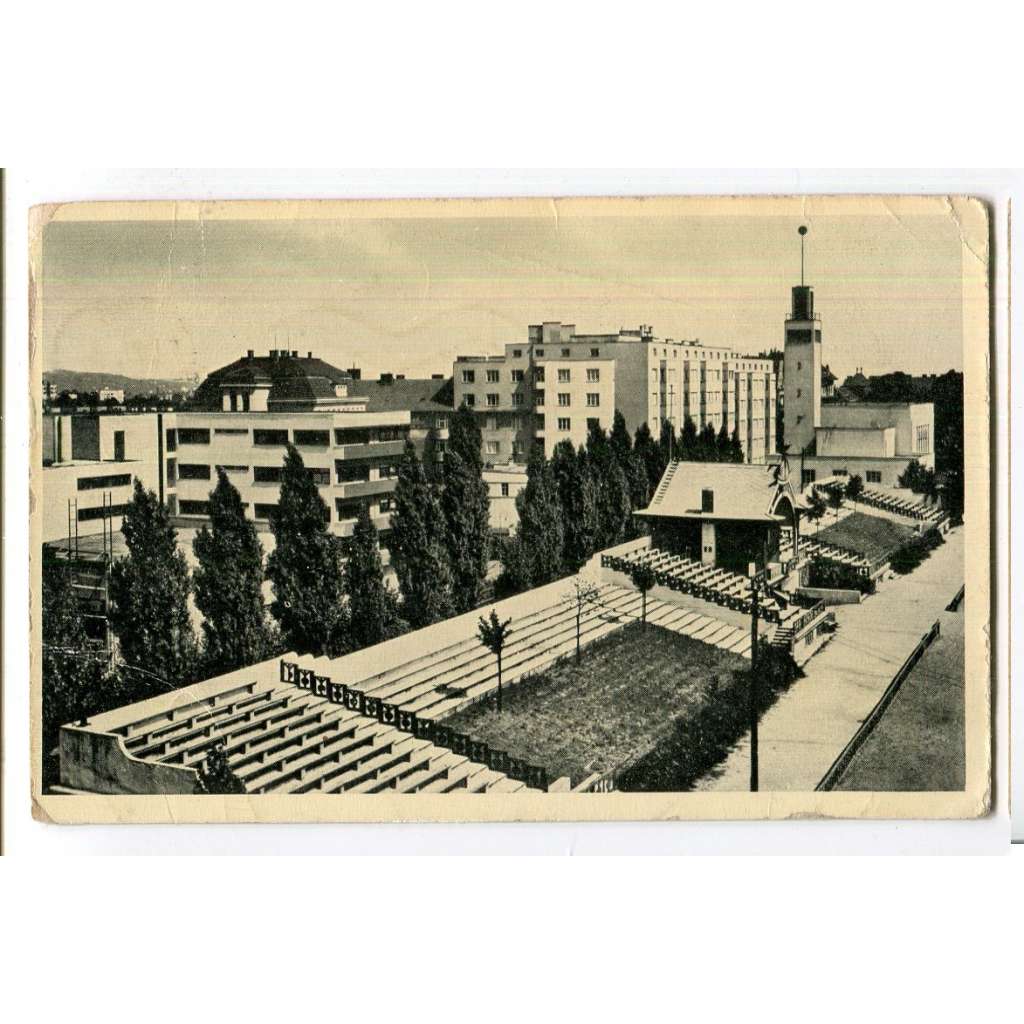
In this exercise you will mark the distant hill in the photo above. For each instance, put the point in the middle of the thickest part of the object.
(88, 380)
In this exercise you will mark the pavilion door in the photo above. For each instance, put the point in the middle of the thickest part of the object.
(707, 543)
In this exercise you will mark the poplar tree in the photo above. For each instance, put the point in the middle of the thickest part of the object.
(613, 502)
(649, 452)
(688, 444)
(621, 445)
(539, 536)
(74, 669)
(577, 495)
(149, 590)
(466, 511)
(736, 447)
(229, 584)
(305, 566)
(417, 543)
(723, 446)
(372, 607)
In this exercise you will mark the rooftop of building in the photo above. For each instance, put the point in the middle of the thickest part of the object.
(291, 378)
(416, 394)
(740, 491)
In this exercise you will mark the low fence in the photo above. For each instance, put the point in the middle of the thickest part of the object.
(832, 777)
(441, 735)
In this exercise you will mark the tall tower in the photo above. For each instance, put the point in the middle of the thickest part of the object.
(802, 362)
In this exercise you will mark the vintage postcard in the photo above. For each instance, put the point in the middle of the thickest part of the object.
(561, 509)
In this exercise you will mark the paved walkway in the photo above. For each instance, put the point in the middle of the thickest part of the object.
(803, 733)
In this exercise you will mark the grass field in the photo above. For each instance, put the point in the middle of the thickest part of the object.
(870, 536)
(918, 745)
(630, 692)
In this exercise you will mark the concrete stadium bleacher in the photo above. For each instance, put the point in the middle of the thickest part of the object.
(897, 505)
(279, 738)
(709, 583)
(372, 721)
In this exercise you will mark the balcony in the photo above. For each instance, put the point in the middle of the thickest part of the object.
(347, 527)
(371, 450)
(364, 488)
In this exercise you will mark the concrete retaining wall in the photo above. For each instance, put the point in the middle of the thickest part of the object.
(830, 596)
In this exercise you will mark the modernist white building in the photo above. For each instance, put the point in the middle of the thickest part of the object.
(241, 419)
(552, 387)
(874, 440)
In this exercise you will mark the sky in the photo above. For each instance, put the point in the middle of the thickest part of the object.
(182, 294)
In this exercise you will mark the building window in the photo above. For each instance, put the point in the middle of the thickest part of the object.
(193, 435)
(263, 511)
(234, 431)
(492, 377)
(492, 447)
(923, 439)
(517, 398)
(387, 471)
(593, 399)
(492, 400)
(351, 472)
(172, 440)
(491, 423)
(517, 376)
(346, 509)
(798, 392)
(321, 477)
(517, 353)
(343, 437)
(564, 399)
(270, 437)
(593, 375)
(538, 397)
(441, 423)
(837, 471)
(234, 469)
(95, 483)
(593, 423)
(468, 376)
(564, 423)
(564, 376)
(595, 352)
(874, 476)
(470, 400)
(565, 353)
(194, 508)
(707, 500)
(311, 438)
(807, 476)
(504, 490)
(385, 504)
(538, 374)
(540, 353)
(193, 472)
(799, 366)
(265, 474)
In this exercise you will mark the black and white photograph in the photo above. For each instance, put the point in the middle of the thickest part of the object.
(583, 508)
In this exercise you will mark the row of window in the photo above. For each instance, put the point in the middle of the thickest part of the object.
(346, 510)
(87, 514)
(346, 471)
(95, 483)
(871, 476)
(301, 438)
(564, 375)
(494, 448)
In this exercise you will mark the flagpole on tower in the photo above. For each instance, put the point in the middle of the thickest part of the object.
(803, 231)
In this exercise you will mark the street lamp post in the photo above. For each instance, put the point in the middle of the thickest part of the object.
(756, 579)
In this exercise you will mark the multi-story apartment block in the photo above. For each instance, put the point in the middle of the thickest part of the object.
(351, 435)
(551, 388)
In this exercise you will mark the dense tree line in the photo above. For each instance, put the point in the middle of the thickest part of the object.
(582, 500)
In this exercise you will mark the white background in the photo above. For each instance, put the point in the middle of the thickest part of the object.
(783, 85)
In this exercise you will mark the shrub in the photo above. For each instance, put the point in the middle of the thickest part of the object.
(836, 576)
(698, 743)
(910, 555)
